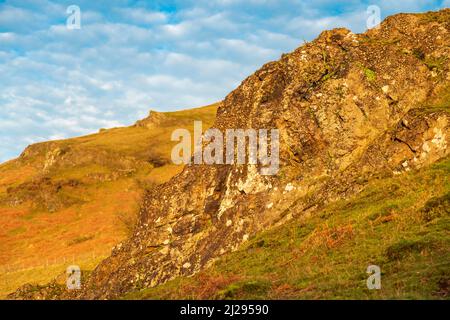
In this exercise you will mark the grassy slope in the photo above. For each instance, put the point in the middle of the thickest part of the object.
(400, 224)
(85, 231)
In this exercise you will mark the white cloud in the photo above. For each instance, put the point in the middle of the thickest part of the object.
(126, 59)
(139, 15)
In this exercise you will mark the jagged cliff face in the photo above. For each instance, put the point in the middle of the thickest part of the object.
(348, 106)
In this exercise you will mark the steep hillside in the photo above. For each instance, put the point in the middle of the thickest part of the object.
(399, 223)
(71, 201)
(359, 116)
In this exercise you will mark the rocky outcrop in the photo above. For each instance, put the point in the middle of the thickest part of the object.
(154, 119)
(345, 105)
(348, 107)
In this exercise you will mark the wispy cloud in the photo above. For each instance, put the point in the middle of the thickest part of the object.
(130, 56)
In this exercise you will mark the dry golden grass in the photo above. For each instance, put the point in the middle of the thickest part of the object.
(31, 237)
(11, 280)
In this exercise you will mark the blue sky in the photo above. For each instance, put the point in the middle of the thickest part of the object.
(133, 56)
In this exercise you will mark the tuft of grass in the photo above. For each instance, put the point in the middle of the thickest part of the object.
(434, 63)
(405, 247)
(128, 220)
(440, 104)
(418, 53)
(17, 231)
(436, 207)
(384, 213)
(370, 74)
(80, 239)
(253, 289)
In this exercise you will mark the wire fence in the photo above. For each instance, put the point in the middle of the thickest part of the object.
(51, 262)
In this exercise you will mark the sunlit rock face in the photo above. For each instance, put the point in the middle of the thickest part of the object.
(347, 106)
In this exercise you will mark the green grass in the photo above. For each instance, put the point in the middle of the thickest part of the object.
(433, 63)
(441, 104)
(80, 239)
(370, 74)
(17, 231)
(399, 223)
